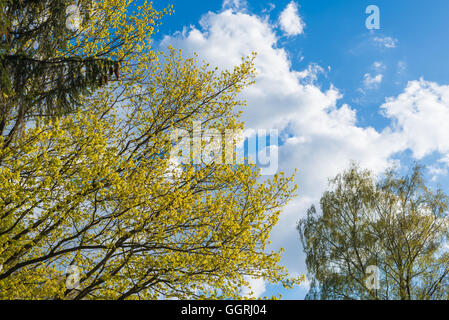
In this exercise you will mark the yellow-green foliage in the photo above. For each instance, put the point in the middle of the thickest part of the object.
(96, 189)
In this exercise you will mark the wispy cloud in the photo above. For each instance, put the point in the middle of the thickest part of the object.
(234, 4)
(379, 66)
(386, 42)
(402, 67)
(372, 82)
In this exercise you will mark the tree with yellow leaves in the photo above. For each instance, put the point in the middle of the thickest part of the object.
(92, 206)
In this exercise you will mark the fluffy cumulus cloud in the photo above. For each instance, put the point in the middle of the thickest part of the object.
(320, 134)
(290, 21)
(421, 114)
(224, 39)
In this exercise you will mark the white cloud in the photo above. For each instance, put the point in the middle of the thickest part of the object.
(323, 136)
(379, 66)
(255, 289)
(271, 7)
(290, 21)
(310, 75)
(234, 4)
(402, 67)
(421, 114)
(437, 171)
(371, 82)
(226, 37)
(387, 42)
(445, 160)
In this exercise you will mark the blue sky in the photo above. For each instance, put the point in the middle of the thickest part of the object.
(341, 92)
